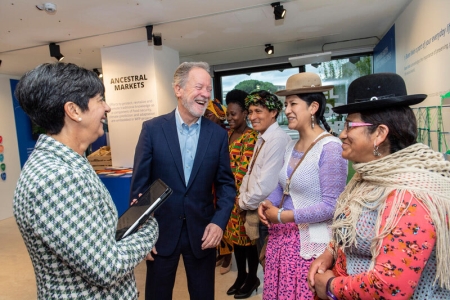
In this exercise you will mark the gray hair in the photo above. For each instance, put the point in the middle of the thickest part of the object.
(181, 74)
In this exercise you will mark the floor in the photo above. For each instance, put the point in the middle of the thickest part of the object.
(17, 279)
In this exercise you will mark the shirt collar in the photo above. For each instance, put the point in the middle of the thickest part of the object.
(265, 136)
(180, 121)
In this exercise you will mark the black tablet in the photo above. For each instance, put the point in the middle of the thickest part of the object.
(136, 215)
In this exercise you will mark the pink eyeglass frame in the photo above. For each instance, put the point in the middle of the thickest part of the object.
(355, 124)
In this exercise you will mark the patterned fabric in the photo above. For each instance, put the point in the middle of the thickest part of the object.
(416, 169)
(68, 222)
(406, 266)
(217, 108)
(321, 178)
(241, 151)
(285, 275)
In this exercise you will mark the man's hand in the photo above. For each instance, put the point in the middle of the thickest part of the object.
(150, 256)
(212, 236)
(134, 201)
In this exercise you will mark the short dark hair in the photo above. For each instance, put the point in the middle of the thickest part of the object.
(43, 92)
(236, 96)
(401, 122)
(322, 101)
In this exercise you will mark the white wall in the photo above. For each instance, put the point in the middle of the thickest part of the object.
(422, 61)
(422, 37)
(137, 80)
(11, 151)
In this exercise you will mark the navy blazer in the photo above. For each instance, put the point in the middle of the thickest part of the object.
(158, 155)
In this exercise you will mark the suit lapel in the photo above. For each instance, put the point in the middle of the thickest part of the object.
(171, 134)
(202, 146)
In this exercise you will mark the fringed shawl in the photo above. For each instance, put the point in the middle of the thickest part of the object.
(416, 169)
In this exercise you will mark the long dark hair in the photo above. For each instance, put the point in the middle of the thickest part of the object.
(319, 115)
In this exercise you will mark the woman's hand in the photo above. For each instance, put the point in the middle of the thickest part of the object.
(263, 206)
(271, 213)
(321, 280)
(320, 265)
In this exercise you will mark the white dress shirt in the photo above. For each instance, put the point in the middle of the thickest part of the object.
(262, 179)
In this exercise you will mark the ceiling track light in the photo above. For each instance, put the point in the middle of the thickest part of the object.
(269, 49)
(278, 10)
(55, 52)
(97, 71)
(156, 38)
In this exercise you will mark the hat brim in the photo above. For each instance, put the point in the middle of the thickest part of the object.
(379, 104)
(315, 89)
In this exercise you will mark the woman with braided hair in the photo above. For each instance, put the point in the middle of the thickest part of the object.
(391, 226)
(299, 211)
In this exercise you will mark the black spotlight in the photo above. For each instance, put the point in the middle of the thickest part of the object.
(156, 38)
(269, 49)
(99, 74)
(54, 51)
(149, 33)
(278, 10)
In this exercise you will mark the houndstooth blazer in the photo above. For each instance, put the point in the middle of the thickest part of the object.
(68, 221)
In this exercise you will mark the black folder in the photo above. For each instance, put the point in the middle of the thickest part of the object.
(136, 215)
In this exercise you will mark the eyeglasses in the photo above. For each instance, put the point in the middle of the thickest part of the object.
(349, 125)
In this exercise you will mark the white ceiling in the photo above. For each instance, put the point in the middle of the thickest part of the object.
(215, 31)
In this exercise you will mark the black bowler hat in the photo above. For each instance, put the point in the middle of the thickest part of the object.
(377, 91)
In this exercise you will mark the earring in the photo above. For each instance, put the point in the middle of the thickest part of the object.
(79, 119)
(312, 121)
(375, 150)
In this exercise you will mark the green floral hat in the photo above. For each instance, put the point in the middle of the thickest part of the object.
(268, 100)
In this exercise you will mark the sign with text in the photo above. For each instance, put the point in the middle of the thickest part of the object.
(137, 79)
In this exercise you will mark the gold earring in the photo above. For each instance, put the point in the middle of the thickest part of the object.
(312, 121)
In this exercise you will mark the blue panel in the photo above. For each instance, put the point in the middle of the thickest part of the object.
(25, 139)
(100, 142)
(119, 188)
(384, 53)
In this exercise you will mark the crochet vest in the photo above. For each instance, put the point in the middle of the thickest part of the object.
(359, 259)
(305, 191)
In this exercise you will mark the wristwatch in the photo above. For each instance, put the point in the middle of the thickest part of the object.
(330, 294)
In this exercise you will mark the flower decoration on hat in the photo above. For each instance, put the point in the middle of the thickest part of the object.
(270, 101)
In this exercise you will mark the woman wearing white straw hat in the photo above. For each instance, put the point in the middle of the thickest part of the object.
(299, 211)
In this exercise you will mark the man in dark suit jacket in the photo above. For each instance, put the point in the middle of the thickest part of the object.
(190, 154)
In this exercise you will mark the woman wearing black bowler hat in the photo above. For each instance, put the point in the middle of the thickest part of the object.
(391, 226)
